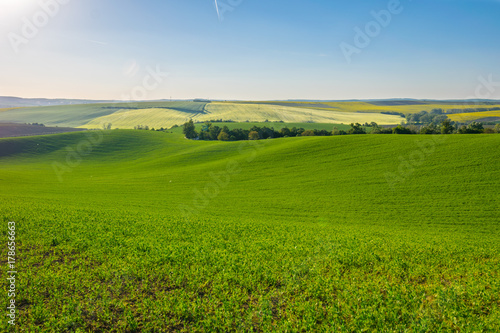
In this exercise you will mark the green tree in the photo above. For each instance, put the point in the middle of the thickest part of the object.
(189, 130)
(357, 129)
(253, 135)
(336, 131)
(472, 128)
(446, 127)
(401, 130)
(429, 129)
(285, 131)
(223, 136)
(308, 133)
(497, 128)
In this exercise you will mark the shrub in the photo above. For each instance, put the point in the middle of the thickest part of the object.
(472, 128)
(381, 130)
(357, 129)
(308, 133)
(401, 130)
(336, 131)
(430, 129)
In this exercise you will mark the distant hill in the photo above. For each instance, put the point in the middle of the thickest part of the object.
(14, 102)
(14, 130)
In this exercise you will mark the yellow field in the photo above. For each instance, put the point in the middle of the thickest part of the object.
(406, 109)
(7, 109)
(461, 117)
(368, 107)
(239, 112)
(127, 119)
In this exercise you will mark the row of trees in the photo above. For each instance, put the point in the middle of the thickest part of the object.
(212, 132)
(436, 117)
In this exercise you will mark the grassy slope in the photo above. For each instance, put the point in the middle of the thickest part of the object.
(306, 235)
(12, 130)
(67, 115)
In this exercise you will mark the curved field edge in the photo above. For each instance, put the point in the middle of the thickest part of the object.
(306, 235)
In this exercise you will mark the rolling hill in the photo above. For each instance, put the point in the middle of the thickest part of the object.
(141, 230)
(14, 130)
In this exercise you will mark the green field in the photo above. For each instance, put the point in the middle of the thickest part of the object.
(146, 231)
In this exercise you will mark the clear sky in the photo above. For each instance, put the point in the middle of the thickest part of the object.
(249, 49)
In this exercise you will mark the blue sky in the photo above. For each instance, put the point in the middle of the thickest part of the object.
(256, 50)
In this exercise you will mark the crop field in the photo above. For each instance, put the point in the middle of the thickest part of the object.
(163, 117)
(6, 109)
(155, 118)
(79, 115)
(261, 112)
(383, 106)
(145, 231)
(167, 114)
(13, 130)
(464, 117)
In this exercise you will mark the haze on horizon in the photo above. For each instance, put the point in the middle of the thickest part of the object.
(250, 50)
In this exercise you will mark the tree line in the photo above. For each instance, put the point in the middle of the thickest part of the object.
(211, 132)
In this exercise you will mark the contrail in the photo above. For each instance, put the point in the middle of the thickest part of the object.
(97, 42)
(217, 8)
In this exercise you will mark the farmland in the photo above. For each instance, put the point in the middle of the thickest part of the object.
(463, 117)
(150, 232)
(402, 106)
(239, 112)
(12, 130)
(167, 114)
